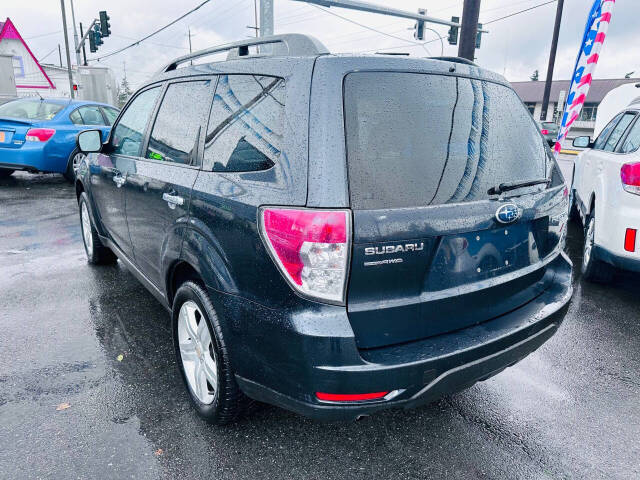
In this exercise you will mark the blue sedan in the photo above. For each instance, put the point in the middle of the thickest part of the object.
(39, 135)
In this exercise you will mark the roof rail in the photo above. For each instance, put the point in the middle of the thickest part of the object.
(291, 44)
(455, 60)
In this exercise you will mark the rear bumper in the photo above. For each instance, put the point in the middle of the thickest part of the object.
(294, 367)
(629, 262)
(32, 157)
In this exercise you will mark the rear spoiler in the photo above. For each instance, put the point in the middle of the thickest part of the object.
(16, 121)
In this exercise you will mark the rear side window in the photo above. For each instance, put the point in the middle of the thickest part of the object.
(180, 118)
(91, 115)
(422, 139)
(632, 142)
(618, 131)
(246, 124)
(128, 134)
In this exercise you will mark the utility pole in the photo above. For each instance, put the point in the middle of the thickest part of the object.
(84, 52)
(469, 30)
(66, 45)
(75, 33)
(60, 55)
(190, 49)
(266, 18)
(552, 62)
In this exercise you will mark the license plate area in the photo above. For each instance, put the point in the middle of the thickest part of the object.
(6, 136)
(475, 256)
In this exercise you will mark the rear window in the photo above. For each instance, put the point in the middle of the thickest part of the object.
(423, 139)
(28, 109)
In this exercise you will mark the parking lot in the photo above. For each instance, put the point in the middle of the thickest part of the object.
(89, 387)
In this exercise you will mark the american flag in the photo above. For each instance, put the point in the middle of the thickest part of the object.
(592, 41)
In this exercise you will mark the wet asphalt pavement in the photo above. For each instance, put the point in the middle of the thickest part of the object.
(95, 340)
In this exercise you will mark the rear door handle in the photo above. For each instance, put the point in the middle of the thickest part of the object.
(172, 200)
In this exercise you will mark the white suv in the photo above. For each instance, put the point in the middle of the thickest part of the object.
(605, 195)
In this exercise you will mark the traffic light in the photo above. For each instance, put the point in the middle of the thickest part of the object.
(97, 36)
(479, 36)
(105, 26)
(453, 32)
(92, 42)
(419, 26)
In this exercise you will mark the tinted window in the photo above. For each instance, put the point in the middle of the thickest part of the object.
(246, 124)
(128, 134)
(602, 138)
(632, 142)
(91, 115)
(617, 132)
(183, 111)
(419, 139)
(111, 114)
(75, 117)
(30, 109)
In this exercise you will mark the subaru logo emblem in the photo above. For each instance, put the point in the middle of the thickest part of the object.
(508, 213)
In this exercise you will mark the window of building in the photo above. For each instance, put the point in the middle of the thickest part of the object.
(18, 66)
(589, 112)
(180, 118)
(246, 124)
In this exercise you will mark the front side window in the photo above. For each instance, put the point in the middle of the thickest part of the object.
(420, 139)
(604, 135)
(246, 124)
(177, 127)
(128, 134)
(632, 142)
(618, 131)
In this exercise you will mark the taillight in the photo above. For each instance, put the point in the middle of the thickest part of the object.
(311, 248)
(544, 131)
(39, 134)
(630, 176)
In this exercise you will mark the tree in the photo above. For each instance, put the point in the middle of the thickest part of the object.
(124, 92)
(536, 76)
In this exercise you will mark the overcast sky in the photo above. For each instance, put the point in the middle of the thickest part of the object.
(514, 47)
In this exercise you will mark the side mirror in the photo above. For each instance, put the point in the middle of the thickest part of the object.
(582, 142)
(89, 141)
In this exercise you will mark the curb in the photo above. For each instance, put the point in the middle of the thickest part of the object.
(570, 152)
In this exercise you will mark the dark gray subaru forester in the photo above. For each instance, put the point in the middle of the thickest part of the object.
(333, 234)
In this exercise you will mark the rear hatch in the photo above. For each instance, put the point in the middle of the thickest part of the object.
(430, 255)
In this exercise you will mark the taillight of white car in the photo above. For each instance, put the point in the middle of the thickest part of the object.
(39, 134)
(630, 176)
(311, 248)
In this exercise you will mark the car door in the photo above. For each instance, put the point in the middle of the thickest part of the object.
(602, 154)
(109, 169)
(158, 191)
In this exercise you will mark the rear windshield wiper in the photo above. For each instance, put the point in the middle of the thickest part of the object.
(505, 187)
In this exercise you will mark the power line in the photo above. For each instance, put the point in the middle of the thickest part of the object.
(151, 34)
(43, 35)
(519, 12)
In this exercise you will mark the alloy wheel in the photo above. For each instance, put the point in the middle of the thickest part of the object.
(77, 159)
(86, 229)
(588, 242)
(197, 353)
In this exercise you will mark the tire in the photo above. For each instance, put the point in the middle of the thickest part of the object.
(72, 165)
(203, 358)
(593, 269)
(5, 172)
(97, 253)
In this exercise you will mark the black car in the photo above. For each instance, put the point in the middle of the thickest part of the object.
(332, 234)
